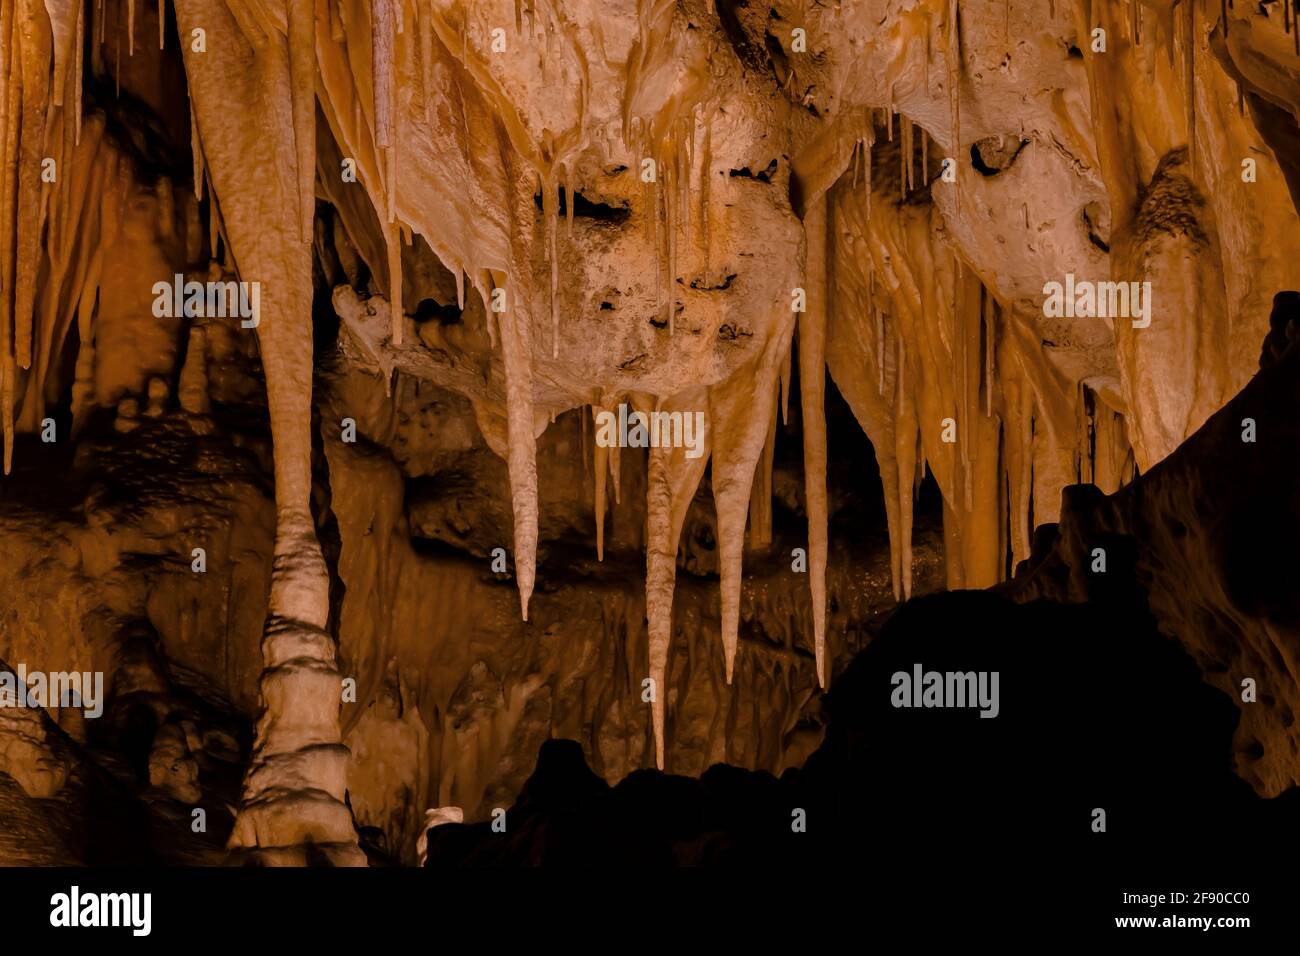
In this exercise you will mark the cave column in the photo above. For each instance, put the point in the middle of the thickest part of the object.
(248, 95)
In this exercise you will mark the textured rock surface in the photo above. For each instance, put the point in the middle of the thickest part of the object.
(1209, 527)
(473, 228)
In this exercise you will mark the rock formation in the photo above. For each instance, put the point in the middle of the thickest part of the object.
(314, 316)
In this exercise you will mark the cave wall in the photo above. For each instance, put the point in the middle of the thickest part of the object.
(462, 188)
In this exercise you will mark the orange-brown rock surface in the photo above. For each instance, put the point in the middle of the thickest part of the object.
(459, 238)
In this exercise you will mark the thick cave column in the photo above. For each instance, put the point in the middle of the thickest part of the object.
(256, 136)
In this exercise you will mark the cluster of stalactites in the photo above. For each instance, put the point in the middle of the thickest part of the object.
(945, 378)
(62, 190)
(926, 358)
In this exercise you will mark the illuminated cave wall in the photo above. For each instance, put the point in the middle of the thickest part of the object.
(476, 227)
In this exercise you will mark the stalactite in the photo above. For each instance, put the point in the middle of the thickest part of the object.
(871, 141)
(739, 412)
(760, 501)
(882, 351)
(393, 247)
(425, 27)
(302, 84)
(615, 468)
(1189, 53)
(905, 443)
(896, 326)
(706, 176)
(83, 376)
(382, 60)
(990, 311)
(30, 192)
(687, 161)
(600, 466)
(669, 202)
(10, 84)
(61, 26)
(671, 482)
(493, 324)
(929, 41)
(902, 158)
(953, 55)
(214, 220)
(516, 354)
(812, 379)
(569, 201)
(79, 42)
(906, 125)
(961, 365)
(551, 226)
(785, 389)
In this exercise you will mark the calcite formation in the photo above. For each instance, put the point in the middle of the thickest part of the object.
(462, 233)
